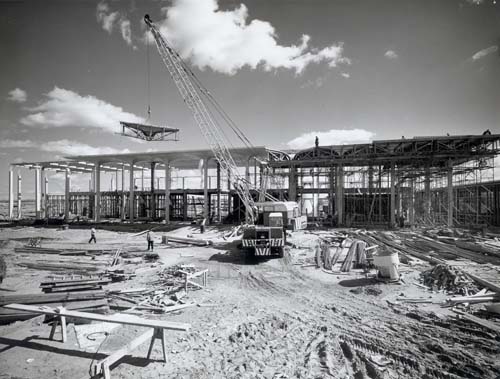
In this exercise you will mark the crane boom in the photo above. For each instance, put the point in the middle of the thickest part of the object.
(192, 93)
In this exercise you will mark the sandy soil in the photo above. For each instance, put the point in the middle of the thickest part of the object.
(270, 319)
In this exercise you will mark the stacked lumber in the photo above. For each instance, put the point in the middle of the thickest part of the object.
(189, 241)
(37, 250)
(73, 285)
(90, 301)
(356, 256)
(68, 266)
(449, 278)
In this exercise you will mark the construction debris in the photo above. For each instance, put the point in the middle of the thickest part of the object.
(445, 277)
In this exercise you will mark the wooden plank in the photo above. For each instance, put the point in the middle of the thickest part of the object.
(38, 298)
(119, 354)
(484, 283)
(116, 318)
(484, 323)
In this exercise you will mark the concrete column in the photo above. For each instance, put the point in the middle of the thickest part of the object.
(131, 199)
(167, 192)
(331, 189)
(292, 184)
(411, 203)
(229, 197)
(122, 210)
(370, 179)
(392, 208)
(142, 179)
(184, 205)
(11, 194)
(97, 192)
(38, 199)
(19, 197)
(206, 201)
(43, 193)
(255, 172)
(152, 203)
(219, 218)
(380, 193)
(427, 193)
(46, 196)
(450, 194)
(339, 195)
(67, 185)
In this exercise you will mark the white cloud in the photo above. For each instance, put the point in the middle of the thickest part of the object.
(17, 95)
(391, 54)
(346, 75)
(126, 31)
(106, 18)
(65, 108)
(331, 137)
(64, 146)
(483, 53)
(226, 41)
(475, 2)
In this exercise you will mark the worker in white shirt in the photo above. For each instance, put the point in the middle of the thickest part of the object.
(92, 236)
(150, 238)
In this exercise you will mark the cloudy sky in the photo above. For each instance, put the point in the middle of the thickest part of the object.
(285, 70)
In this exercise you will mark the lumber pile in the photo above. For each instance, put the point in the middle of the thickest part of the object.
(189, 241)
(36, 250)
(167, 294)
(73, 285)
(449, 278)
(356, 256)
(67, 266)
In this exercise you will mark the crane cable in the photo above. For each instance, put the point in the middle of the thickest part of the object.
(148, 82)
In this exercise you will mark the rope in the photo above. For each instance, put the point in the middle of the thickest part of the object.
(106, 334)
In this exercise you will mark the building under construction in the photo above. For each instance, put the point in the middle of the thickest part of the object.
(432, 180)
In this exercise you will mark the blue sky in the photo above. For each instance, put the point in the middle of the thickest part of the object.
(348, 71)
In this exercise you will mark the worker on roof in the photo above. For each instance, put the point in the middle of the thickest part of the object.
(316, 141)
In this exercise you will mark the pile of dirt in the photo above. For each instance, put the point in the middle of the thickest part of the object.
(444, 277)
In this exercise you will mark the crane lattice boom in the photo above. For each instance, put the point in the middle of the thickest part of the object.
(190, 93)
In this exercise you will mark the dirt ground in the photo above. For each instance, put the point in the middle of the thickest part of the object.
(266, 319)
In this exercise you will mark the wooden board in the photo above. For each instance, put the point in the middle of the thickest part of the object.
(116, 318)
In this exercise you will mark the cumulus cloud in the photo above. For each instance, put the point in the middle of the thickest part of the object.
(65, 108)
(108, 20)
(483, 53)
(126, 31)
(226, 40)
(62, 146)
(391, 54)
(17, 95)
(475, 2)
(331, 137)
(346, 75)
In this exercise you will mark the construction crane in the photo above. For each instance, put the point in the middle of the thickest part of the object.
(193, 93)
(264, 239)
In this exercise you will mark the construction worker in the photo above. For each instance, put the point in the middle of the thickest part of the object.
(316, 141)
(92, 236)
(150, 238)
(202, 225)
